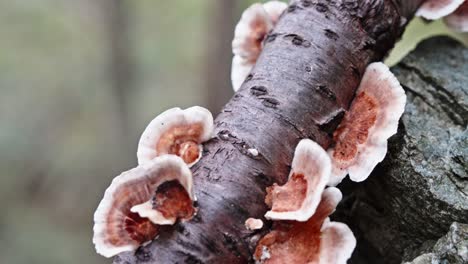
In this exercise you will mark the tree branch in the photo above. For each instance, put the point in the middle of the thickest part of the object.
(304, 79)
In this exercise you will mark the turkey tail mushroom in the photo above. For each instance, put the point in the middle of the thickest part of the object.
(454, 12)
(299, 197)
(119, 227)
(458, 20)
(317, 240)
(361, 138)
(176, 131)
(435, 9)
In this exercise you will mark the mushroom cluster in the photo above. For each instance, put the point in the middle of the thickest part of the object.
(302, 231)
(453, 12)
(317, 240)
(159, 191)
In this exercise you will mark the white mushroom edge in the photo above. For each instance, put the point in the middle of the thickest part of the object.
(144, 179)
(313, 162)
(147, 146)
(379, 83)
(255, 23)
(435, 9)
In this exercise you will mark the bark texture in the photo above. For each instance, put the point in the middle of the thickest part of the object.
(421, 188)
(302, 83)
(451, 248)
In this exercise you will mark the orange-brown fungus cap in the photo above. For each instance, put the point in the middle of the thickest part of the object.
(361, 138)
(117, 227)
(354, 129)
(178, 132)
(173, 201)
(308, 242)
(289, 196)
(299, 197)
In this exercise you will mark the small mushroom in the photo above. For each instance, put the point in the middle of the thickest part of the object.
(176, 131)
(253, 224)
(435, 9)
(253, 27)
(361, 138)
(299, 197)
(458, 20)
(318, 240)
(117, 228)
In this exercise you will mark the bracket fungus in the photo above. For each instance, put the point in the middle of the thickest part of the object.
(458, 20)
(435, 9)
(318, 240)
(361, 138)
(176, 131)
(255, 23)
(299, 197)
(118, 227)
(454, 12)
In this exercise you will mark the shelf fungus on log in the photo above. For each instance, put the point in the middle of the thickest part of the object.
(435, 9)
(256, 22)
(458, 20)
(361, 138)
(299, 197)
(317, 240)
(119, 225)
(176, 131)
(454, 12)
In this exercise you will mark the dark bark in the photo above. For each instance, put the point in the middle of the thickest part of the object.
(422, 185)
(304, 79)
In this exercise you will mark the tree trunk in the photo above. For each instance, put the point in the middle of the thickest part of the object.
(422, 186)
(120, 65)
(303, 81)
(218, 53)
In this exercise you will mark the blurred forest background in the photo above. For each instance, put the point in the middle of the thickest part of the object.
(79, 81)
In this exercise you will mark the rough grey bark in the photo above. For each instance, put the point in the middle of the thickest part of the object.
(304, 79)
(422, 185)
(451, 248)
